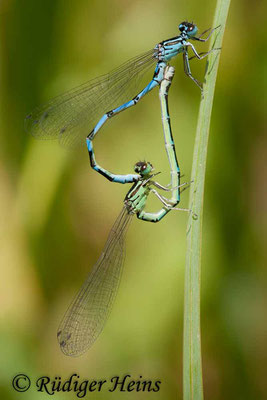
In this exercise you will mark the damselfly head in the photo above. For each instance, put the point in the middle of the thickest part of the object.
(143, 167)
(189, 28)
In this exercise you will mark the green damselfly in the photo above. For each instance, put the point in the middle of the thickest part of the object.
(87, 314)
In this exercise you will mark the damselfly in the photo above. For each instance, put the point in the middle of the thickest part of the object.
(82, 111)
(87, 314)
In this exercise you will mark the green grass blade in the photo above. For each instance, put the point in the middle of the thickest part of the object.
(192, 366)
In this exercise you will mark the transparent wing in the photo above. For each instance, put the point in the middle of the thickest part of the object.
(87, 314)
(71, 116)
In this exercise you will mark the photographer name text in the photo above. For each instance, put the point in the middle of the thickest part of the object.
(82, 387)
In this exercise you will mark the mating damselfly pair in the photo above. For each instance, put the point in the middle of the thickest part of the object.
(79, 114)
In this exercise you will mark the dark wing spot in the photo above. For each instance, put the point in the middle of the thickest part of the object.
(59, 333)
(28, 116)
(62, 130)
(63, 343)
(45, 114)
(36, 121)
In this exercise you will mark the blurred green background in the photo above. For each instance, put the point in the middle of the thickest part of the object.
(56, 212)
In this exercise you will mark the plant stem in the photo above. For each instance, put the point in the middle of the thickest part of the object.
(192, 366)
